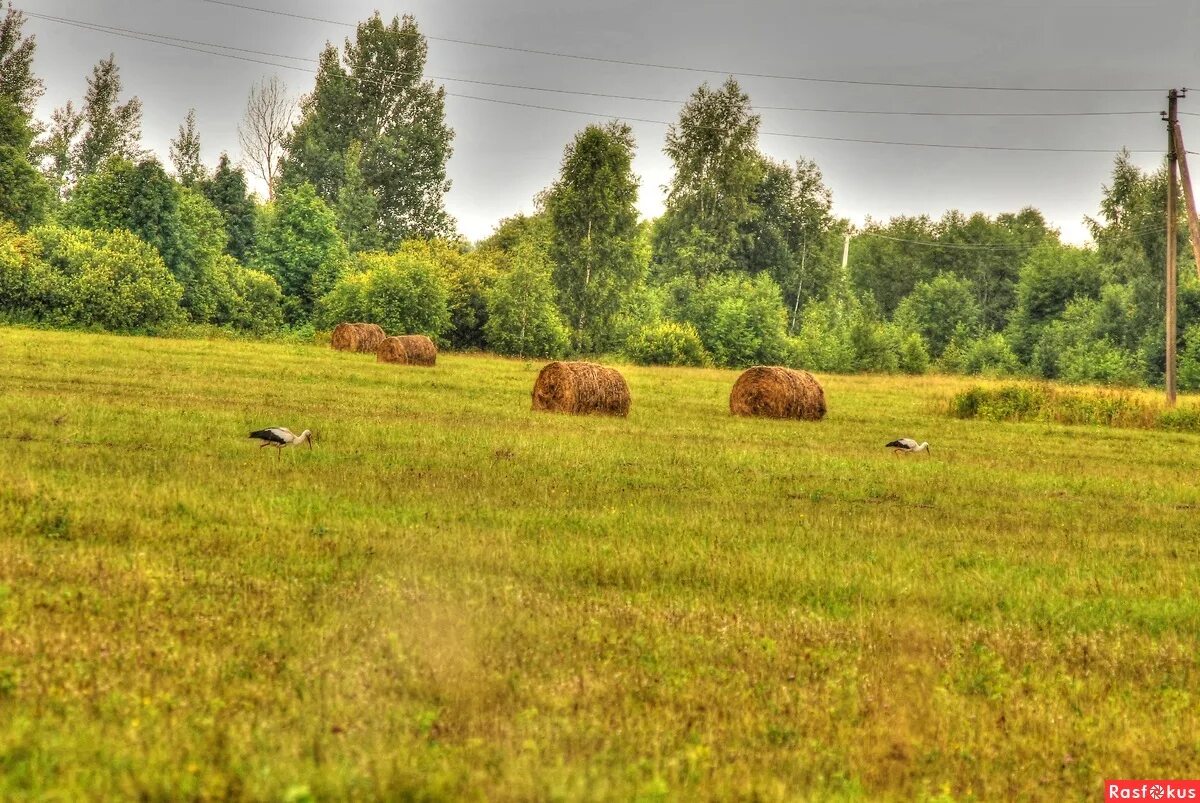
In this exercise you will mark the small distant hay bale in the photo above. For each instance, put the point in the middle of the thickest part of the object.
(360, 337)
(581, 387)
(775, 392)
(407, 350)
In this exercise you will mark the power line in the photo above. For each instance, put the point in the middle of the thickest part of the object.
(705, 70)
(151, 36)
(190, 45)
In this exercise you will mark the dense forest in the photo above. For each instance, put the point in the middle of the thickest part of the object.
(744, 266)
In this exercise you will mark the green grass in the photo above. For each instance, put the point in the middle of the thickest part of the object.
(455, 598)
(1044, 402)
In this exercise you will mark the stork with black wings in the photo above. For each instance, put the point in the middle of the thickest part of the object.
(281, 437)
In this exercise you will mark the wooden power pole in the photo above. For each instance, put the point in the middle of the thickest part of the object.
(1172, 189)
(1189, 198)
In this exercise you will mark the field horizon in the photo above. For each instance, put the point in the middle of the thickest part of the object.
(454, 597)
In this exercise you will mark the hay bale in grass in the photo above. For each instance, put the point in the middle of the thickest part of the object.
(407, 350)
(581, 387)
(360, 337)
(370, 336)
(776, 392)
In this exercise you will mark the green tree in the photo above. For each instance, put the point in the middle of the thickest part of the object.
(17, 81)
(938, 309)
(1051, 276)
(790, 236)
(226, 190)
(140, 198)
(714, 148)
(185, 152)
(888, 261)
(523, 319)
(469, 277)
(403, 293)
(110, 128)
(25, 196)
(373, 93)
(740, 319)
(357, 210)
(299, 244)
(594, 220)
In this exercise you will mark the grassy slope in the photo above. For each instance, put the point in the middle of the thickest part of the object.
(455, 597)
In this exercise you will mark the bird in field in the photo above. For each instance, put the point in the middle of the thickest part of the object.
(280, 437)
(909, 446)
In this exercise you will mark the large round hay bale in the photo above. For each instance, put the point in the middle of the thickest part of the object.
(581, 387)
(776, 392)
(370, 335)
(344, 337)
(361, 337)
(407, 350)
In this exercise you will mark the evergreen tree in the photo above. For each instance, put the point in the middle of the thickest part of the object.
(373, 93)
(185, 152)
(717, 171)
(592, 211)
(110, 128)
(226, 190)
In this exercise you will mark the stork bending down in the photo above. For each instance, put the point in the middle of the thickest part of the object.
(908, 446)
(280, 437)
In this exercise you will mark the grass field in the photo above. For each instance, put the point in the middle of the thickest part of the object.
(452, 597)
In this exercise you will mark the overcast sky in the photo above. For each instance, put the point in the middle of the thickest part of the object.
(504, 154)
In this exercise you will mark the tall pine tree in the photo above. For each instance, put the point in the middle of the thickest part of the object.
(226, 190)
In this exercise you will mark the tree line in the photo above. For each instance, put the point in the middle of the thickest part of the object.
(744, 266)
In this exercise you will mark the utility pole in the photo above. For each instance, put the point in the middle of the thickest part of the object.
(846, 253)
(1172, 189)
(1185, 178)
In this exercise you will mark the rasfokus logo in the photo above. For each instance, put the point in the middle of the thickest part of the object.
(1151, 790)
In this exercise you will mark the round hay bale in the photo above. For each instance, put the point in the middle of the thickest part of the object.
(407, 350)
(361, 337)
(775, 392)
(581, 387)
(370, 335)
(344, 337)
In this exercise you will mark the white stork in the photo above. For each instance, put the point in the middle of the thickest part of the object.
(909, 446)
(280, 437)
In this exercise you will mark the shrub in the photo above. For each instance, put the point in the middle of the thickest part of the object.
(299, 244)
(667, 343)
(1044, 403)
(741, 320)
(990, 355)
(939, 310)
(110, 280)
(522, 317)
(468, 276)
(403, 293)
(914, 356)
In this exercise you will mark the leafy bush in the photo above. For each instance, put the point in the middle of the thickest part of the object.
(299, 244)
(989, 354)
(1044, 403)
(1099, 362)
(667, 343)
(403, 293)
(914, 356)
(110, 280)
(522, 317)
(940, 309)
(741, 320)
(468, 276)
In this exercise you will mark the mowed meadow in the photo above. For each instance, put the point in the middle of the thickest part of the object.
(452, 597)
